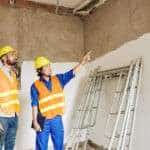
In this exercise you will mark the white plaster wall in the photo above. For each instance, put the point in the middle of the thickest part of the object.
(122, 57)
(26, 136)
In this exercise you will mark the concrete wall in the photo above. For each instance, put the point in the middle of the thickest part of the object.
(35, 32)
(122, 57)
(115, 23)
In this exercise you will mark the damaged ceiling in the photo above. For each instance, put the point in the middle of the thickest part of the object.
(65, 3)
(79, 7)
(60, 7)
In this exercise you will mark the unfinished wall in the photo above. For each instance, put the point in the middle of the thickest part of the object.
(35, 32)
(109, 28)
(116, 22)
(122, 57)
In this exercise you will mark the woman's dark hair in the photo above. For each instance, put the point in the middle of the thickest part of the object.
(39, 72)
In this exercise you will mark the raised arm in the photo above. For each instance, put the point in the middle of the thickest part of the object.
(84, 60)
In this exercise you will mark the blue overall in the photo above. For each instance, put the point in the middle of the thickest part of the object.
(50, 127)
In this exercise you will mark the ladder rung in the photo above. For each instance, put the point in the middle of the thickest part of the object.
(117, 136)
(116, 113)
(95, 107)
(122, 112)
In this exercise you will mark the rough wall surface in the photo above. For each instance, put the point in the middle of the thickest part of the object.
(38, 32)
(118, 58)
(115, 23)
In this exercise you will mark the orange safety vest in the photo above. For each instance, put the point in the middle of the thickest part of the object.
(51, 103)
(9, 102)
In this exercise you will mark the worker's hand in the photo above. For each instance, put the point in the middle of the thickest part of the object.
(36, 126)
(86, 58)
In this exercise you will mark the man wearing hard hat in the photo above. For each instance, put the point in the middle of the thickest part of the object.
(48, 103)
(9, 103)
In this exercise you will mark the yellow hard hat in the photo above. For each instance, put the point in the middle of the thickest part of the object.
(41, 61)
(5, 50)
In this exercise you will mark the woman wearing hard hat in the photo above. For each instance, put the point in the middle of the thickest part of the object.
(9, 102)
(48, 103)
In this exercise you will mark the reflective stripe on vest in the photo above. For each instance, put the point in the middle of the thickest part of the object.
(51, 97)
(8, 94)
(6, 104)
(51, 103)
(59, 105)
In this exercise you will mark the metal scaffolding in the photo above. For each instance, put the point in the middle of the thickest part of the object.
(124, 101)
